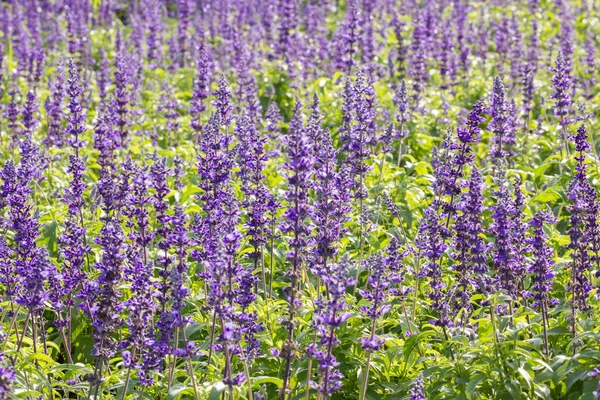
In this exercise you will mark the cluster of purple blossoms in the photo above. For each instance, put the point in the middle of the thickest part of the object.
(542, 267)
(296, 223)
(139, 272)
(470, 252)
(74, 242)
(54, 107)
(134, 287)
(347, 38)
(583, 225)
(505, 264)
(434, 228)
(331, 312)
(7, 378)
(357, 134)
(214, 167)
(458, 155)
(201, 87)
(258, 201)
(499, 109)
(376, 294)
(519, 229)
(595, 373)
(164, 261)
(332, 197)
(430, 243)
(562, 84)
(120, 103)
(417, 68)
(417, 391)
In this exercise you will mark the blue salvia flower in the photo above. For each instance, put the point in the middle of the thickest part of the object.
(142, 303)
(201, 87)
(246, 318)
(247, 87)
(332, 199)
(165, 260)
(29, 111)
(102, 77)
(417, 391)
(179, 242)
(562, 83)
(417, 68)
(12, 115)
(121, 99)
(527, 82)
(368, 44)
(401, 50)
(583, 229)
(288, 19)
(296, 224)
(469, 249)
(74, 242)
(349, 36)
(504, 253)
(542, 267)
(7, 378)
(31, 262)
(76, 118)
(231, 284)
(431, 244)
(519, 230)
(259, 203)
(401, 100)
(434, 231)
(595, 373)
(214, 167)
(376, 294)
(8, 276)
(54, 107)
(152, 12)
(103, 294)
(106, 141)
(185, 9)
(447, 56)
(330, 314)
(499, 109)
(358, 132)
(590, 65)
(515, 51)
(347, 39)
(222, 102)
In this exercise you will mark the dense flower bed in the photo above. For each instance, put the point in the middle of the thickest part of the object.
(301, 199)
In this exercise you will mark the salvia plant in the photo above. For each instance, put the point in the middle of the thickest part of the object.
(353, 199)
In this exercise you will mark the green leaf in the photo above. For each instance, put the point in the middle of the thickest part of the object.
(547, 196)
(177, 390)
(266, 379)
(412, 342)
(216, 390)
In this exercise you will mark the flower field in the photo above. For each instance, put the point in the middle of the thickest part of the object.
(299, 199)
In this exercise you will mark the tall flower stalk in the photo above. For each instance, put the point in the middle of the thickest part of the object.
(258, 201)
(331, 207)
(583, 230)
(296, 224)
(330, 314)
(75, 246)
(376, 294)
(541, 269)
(358, 137)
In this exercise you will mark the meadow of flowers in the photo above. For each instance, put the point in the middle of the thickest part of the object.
(299, 199)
